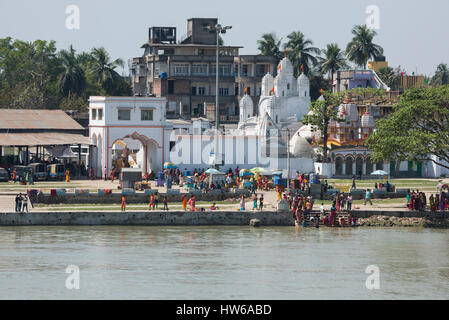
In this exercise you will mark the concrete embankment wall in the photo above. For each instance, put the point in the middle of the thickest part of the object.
(267, 218)
(132, 198)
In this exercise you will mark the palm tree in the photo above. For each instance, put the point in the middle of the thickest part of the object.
(269, 46)
(301, 52)
(333, 60)
(389, 77)
(73, 78)
(103, 69)
(441, 76)
(361, 48)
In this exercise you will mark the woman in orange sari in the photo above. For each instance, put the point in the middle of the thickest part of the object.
(184, 202)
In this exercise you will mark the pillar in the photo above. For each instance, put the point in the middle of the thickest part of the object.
(79, 160)
(364, 168)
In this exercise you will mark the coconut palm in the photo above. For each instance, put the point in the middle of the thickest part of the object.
(72, 79)
(103, 69)
(269, 46)
(441, 76)
(361, 48)
(389, 77)
(301, 52)
(333, 60)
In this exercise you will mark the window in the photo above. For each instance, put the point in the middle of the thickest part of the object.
(244, 70)
(171, 86)
(248, 90)
(100, 114)
(200, 52)
(193, 91)
(223, 91)
(224, 69)
(201, 91)
(157, 69)
(146, 115)
(94, 114)
(124, 114)
(260, 70)
(236, 90)
(199, 69)
(181, 69)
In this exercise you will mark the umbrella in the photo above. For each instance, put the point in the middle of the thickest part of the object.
(245, 173)
(258, 170)
(211, 170)
(169, 165)
(379, 173)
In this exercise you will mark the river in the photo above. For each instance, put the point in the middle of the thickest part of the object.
(127, 262)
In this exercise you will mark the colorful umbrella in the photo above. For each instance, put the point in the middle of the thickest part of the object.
(169, 165)
(245, 173)
(211, 170)
(258, 169)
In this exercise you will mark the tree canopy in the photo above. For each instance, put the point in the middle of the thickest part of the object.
(322, 111)
(36, 75)
(417, 129)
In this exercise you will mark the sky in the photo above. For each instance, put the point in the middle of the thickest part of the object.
(414, 34)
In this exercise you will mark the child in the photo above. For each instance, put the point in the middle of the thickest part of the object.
(213, 207)
(255, 202)
(261, 202)
(165, 203)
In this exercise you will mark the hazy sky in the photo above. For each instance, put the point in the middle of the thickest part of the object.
(414, 34)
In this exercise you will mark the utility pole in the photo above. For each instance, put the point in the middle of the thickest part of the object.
(288, 159)
(217, 29)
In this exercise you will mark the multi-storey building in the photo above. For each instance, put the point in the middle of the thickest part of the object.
(184, 72)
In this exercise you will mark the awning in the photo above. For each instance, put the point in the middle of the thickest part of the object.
(42, 139)
(61, 152)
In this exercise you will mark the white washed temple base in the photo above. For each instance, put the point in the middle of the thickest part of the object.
(324, 169)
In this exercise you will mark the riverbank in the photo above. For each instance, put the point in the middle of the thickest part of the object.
(372, 218)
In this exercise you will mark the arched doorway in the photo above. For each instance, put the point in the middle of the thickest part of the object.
(338, 166)
(369, 166)
(138, 151)
(359, 165)
(348, 166)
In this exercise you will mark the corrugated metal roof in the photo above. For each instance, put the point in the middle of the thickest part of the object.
(37, 119)
(42, 139)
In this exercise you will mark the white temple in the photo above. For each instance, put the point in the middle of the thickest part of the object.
(284, 99)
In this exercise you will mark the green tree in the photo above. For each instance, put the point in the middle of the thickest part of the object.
(322, 112)
(28, 72)
(389, 77)
(73, 78)
(301, 52)
(103, 70)
(417, 129)
(361, 48)
(333, 60)
(441, 76)
(269, 45)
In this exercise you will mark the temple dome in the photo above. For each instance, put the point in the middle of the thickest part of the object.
(300, 148)
(285, 67)
(303, 79)
(367, 120)
(246, 102)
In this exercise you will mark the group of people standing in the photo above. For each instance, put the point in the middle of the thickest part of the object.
(21, 202)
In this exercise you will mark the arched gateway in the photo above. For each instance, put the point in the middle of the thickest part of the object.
(114, 122)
